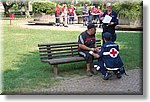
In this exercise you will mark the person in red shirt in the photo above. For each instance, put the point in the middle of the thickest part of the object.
(100, 13)
(94, 14)
(57, 15)
(71, 12)
(64, 15)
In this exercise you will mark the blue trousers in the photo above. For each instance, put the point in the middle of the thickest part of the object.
(102, 67)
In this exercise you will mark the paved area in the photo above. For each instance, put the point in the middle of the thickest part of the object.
(127, 85)
(74, 27)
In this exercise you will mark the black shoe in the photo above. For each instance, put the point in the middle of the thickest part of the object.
(107, 76)
(118, 75)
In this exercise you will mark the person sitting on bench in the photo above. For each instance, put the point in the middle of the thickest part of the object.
(108, 57)
(87, 42)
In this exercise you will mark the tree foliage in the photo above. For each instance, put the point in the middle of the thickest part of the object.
(132, 11)
(44, 7)
(126, 9)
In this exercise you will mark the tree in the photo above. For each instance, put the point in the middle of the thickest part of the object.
(7, 5)
(16, 5)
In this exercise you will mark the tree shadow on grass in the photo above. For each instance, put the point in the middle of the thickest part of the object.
(29, 74)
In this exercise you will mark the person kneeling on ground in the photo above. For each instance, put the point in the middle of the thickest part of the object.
(108, 57)
(87, 42)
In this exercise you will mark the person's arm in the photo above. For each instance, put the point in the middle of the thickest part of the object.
(82, 46)
(84, 11)
(96, 48)
(99, 54)
(115, 20)
(102, 17)
(94, 54)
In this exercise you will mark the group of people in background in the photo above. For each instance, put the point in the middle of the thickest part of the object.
(90, 14)
(67, 14)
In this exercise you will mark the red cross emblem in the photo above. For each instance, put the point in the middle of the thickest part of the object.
(113, 52)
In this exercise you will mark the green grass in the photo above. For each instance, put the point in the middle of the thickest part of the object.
(24, 73)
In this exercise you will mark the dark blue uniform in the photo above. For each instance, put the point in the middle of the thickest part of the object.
(110, 28)
(109, 57)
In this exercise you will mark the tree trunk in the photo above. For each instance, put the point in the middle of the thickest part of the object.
(6, 7)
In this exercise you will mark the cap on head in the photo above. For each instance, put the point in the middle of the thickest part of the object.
(108, 4)
(91, 26)
(107, 35)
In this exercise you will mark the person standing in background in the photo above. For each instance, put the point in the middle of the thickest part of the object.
(57, 15)
(94, 15)
(90, 17)
(65, 15)
(71, 12)
(85, 15)
(110, 27)
(100, 13)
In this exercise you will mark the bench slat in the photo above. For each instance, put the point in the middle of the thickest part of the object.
(52, 50)
(58, 56)
(64, 60)
(58, 53)
(54, 44)
(51, 47)
(67, 43)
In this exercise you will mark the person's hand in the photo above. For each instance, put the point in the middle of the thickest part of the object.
(101, 18)
(92, 49)
(111, 23)
(97, 49)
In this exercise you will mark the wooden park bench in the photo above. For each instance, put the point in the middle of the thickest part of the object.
(60, 53)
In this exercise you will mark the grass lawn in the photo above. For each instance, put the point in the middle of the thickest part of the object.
(24, 73)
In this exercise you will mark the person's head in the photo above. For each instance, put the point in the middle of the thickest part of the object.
(108, 6)
(71, 6)
(85, 5)
(91, 28)
(57, 5)
(64, 5)
(107, 36)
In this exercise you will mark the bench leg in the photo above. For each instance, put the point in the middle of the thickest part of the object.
(55, 69)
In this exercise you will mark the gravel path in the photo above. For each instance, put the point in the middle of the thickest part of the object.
(132, 84)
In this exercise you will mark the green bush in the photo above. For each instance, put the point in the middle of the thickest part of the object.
(79, 10)
(132, 11)
(44, 7)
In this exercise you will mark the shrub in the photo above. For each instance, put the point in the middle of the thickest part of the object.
(44, 7)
